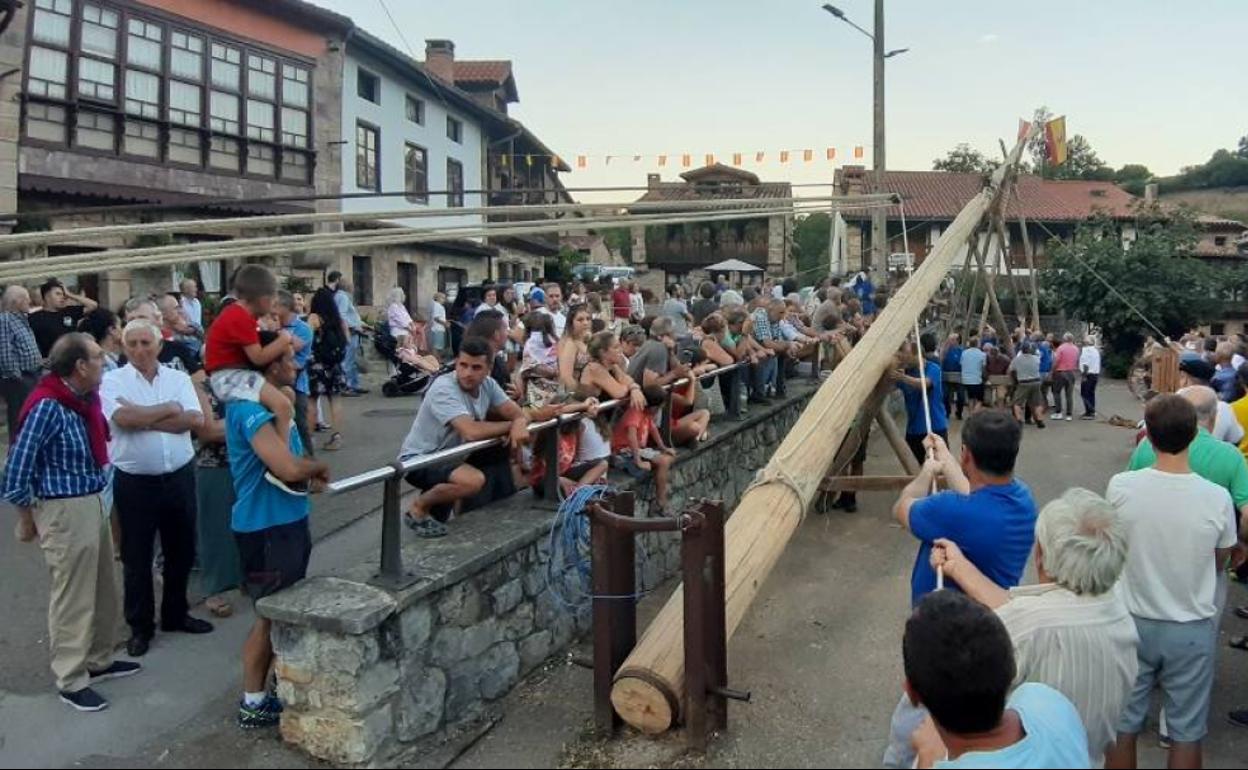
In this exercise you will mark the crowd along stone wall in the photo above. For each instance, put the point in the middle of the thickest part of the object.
(370, 675)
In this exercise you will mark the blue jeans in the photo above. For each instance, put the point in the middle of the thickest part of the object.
(349, 365)
(770, 372)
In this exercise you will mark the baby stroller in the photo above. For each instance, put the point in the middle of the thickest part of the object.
(408, 380)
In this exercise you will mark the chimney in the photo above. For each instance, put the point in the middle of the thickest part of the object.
(652, 181)
(1150, 192)
(854, 179)
(440, 59)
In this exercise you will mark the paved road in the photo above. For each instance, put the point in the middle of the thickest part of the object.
(821, 647)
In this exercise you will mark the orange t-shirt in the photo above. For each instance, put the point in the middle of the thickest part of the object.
(633, 418)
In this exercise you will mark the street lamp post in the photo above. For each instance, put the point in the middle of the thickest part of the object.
(879, 232)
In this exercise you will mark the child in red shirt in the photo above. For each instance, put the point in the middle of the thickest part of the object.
(631, 440)
(233, 354)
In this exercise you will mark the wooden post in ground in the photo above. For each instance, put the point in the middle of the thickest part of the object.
(649, 688)
(1031, 262)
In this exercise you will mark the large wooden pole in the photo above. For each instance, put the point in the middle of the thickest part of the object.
(649, 687)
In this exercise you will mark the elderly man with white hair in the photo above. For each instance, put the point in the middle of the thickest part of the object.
(20, 360)
(1071, 630)
(152, 409)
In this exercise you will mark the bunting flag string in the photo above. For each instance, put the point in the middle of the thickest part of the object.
(582, 161)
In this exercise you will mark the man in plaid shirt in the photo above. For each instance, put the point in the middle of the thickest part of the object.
(20, 361)
(766, 332)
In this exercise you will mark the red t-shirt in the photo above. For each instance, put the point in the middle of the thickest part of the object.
(234, 330)
(621, 303)
(633, 418)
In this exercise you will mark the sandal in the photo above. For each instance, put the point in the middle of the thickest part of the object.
(427, 527)
(219, 607)
(334, 443)
(1238, 643)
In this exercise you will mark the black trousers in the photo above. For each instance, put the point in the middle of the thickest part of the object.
(148, 506)
(14, 391)
(1087, 389)
(955, 394)
(730, 389)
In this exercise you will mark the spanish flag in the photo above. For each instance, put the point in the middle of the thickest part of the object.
(808, 156)
(662, 160)
(581, 161)
(784, 156)
(859, 153)
(686, 160)
(831, 153)
(1055, 140)
(710, 159)
(759, 156)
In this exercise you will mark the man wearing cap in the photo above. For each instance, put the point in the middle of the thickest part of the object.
(1197, 371)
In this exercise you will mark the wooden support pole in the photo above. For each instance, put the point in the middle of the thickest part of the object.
(649, 688)
(866, 483)
(1028, 250)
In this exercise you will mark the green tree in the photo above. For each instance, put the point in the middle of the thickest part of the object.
(1157, 274)
(1082, 162)
(1133, 177)
(810, 243)
(966, 160)
(1243, 147)
(619, 240)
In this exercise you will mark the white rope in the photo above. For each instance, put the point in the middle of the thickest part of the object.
(918, 345)
(288, 220)
(255, 247)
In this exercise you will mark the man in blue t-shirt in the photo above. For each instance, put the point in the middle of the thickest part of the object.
(911, 386)
(270, 522)
(1045, 347)
(951, 366)
(959, 664)
(985, 507)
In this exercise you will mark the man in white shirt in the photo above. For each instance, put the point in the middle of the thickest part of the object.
(192, 309)
(151, 411)
(1072, 630)
(554, 307)
(1181, 529)
(1090, 366)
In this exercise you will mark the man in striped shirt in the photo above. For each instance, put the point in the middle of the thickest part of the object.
(54, 477)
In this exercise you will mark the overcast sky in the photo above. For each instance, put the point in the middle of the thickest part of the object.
(1158, 82)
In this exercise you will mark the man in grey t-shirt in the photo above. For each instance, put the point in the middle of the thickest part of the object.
(653, 363)
(458, 408)
(1025, 369)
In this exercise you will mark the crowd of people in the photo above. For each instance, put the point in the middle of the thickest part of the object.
(158, 424)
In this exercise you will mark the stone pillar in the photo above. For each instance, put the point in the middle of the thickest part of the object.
(776, 243)
(12, 60)
(639, 247)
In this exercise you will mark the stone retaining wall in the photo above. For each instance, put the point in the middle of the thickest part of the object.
(367, 674)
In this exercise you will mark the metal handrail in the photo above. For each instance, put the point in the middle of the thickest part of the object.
(445, 456)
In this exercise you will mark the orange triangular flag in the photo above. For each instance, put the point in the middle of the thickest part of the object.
(736, 159)
(784, 156)
(859, 152)
(686, 160)
(758, 157)
(1024, 126)
(662, 160)
(831, 153)
(808, 155)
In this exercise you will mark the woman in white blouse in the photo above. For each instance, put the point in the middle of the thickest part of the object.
(397, 317)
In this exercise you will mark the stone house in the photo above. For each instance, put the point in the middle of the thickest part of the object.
(669, 253)
(171, 104)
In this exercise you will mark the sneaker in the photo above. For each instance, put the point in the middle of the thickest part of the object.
(1088, 417)
(120, 669)
(1069, 418)
(258, 716)
(299, 489)
(86, 700)
(1056, 416)
(273, 704)
(334, 443)
(1238, 718)
(1040, 424)
(428, 527)
(322, 427)
(1164, 742)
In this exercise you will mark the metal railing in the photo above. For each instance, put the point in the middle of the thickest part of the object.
(392, 574)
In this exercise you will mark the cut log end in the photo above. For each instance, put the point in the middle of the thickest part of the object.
(642, 705)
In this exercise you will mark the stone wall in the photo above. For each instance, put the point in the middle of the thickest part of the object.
(369, 675)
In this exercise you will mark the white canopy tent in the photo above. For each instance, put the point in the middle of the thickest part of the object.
(733, 266)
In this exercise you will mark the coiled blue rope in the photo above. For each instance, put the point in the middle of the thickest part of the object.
(569, 572)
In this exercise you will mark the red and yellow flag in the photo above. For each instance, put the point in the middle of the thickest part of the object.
(1024, 126)
(710, 159)
(686, 160)
(831, 153)
(582, 161)
(808, 156)
(859, 153)
(784, 156)
(759, 157)
(736, 159)
(1055, 141)
(662, 160)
